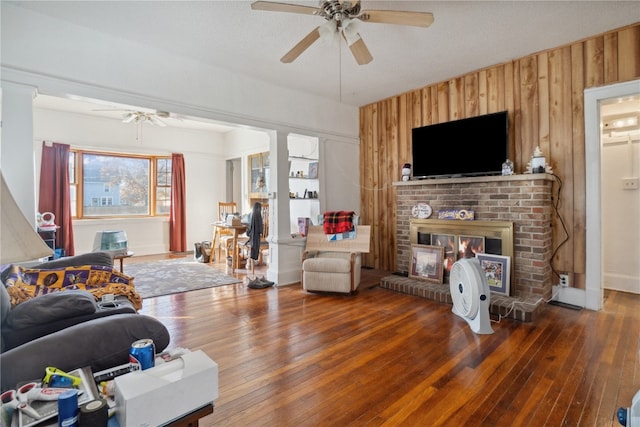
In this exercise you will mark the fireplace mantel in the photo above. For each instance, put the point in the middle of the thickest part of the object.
(473, 179)
(524, 200)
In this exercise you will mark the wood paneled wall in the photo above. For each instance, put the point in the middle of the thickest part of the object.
(544, 94)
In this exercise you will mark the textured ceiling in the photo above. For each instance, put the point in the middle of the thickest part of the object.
(465, 36)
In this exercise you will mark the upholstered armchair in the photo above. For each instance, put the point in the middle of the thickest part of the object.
(333, 266)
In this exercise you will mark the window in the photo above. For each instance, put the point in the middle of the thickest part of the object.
(106, 201)
(163, 186)
(117, 185)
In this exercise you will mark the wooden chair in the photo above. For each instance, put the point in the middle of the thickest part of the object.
(244, 247)
(224, 209)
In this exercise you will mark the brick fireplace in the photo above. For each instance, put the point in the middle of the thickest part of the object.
(524, 200)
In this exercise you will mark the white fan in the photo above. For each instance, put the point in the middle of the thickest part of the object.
(342, 18)
(142, 117)
(134, 116)
(470, 294)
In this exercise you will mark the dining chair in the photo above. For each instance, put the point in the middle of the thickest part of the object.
(244, 247)
(225, 236)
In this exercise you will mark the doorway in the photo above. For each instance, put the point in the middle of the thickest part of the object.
(234, 181)
(602, 103)
(620, 148)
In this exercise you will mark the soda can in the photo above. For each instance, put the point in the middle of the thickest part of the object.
(142, 354)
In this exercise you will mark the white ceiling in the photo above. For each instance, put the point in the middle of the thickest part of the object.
(115, 111)
(465, 36)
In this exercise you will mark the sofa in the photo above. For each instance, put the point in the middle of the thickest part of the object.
(69, 329)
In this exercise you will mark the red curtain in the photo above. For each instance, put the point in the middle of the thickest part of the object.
(55, 196)
(178, 216)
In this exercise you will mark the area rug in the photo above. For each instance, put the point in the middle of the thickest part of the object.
(173, 276)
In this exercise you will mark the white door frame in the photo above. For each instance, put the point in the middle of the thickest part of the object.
(593, 167)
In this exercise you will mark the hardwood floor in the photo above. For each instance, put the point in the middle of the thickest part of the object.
(291, 358)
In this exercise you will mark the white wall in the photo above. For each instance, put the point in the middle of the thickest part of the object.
(340, 170)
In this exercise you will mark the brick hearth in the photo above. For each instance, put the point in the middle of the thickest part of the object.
(525, 200)
(523, 309)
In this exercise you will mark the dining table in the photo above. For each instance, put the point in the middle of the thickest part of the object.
(235, 231)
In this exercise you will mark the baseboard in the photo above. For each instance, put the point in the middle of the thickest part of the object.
(567, 295)
(285, 277)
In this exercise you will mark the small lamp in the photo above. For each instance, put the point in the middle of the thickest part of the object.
(19, 242)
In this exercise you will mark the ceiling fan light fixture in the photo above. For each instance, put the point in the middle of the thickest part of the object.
(340, 16)
(350, 31)
(329, 33)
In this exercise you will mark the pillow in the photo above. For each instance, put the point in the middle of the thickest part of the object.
(91, 258)
(50, 308)
(336, 222)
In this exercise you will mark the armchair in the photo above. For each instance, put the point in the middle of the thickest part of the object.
(333, 266)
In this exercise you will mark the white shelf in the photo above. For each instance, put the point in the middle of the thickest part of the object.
(304, 159)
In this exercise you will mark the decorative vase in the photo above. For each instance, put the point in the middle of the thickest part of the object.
(538, 162)
(507, 167)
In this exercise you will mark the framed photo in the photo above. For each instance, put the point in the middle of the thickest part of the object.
(448, 242)
(313, 170)
(469, 246)
(497, 270)
(426, 263)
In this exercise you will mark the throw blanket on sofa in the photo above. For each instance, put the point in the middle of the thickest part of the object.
(336, 222)
(25, 283)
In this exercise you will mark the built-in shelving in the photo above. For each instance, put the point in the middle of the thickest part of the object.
(303, 178)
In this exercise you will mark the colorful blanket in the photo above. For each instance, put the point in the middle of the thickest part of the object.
(25, 283)
(349, 235)
(336, 222)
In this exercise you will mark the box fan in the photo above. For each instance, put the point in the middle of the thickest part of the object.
(470, 294)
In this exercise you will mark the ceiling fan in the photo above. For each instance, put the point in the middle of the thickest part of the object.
(142, 117)
(342, 17)
(135, 116)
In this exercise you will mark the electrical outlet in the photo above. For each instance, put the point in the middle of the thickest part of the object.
(564, 280)
(630, 183)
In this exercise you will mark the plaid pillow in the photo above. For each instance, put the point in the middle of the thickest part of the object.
(338, 222)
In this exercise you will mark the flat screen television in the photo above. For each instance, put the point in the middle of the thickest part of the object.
(467, 147)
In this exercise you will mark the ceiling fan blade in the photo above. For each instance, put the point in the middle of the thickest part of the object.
(360, 51)
(129, 117)
(156, 121)
(416, 19)
(284, 7)
(301, 46)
